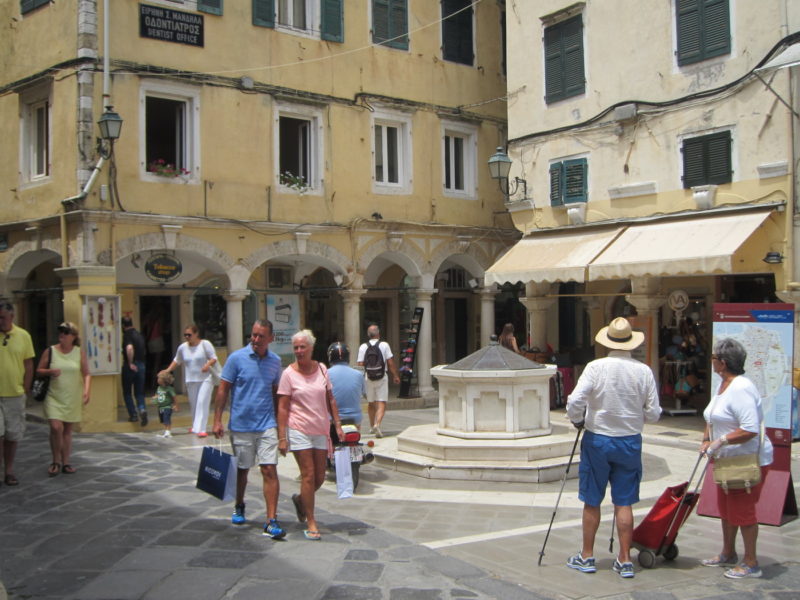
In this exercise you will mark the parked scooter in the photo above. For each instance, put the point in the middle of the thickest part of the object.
(359, 452)
(348, 389)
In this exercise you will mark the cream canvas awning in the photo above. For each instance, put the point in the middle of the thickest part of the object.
(551, 257)
(693, 246)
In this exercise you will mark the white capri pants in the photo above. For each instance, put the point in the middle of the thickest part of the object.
(199, 393)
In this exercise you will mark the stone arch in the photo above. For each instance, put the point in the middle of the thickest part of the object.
(473, 258)
(317, 253)
(149, 241)
(402, 253)
(25, 256)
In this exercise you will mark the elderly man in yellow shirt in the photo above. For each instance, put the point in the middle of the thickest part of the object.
(16, 375)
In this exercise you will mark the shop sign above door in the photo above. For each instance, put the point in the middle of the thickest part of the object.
(163, 268)
(176, 26)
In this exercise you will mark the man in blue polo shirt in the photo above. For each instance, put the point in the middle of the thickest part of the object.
(250, 377)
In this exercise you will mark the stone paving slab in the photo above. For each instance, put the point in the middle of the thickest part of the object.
(130, 524)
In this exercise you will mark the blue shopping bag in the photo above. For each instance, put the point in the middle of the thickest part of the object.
(217, 474)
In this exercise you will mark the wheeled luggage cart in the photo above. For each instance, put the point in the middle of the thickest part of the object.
(655, 535)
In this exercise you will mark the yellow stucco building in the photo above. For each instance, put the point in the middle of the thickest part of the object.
(657, 143)
(321, 163)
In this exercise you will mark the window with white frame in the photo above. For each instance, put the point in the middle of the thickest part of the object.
(299, 148)
(35, 107)
(458, 159)
(169, 130)
(296, 14)
(391, 153)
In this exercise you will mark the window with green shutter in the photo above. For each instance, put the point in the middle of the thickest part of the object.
(26, 6)
(707, 160)
(332, 20)
(264, 13)
(703, 29)
(390, 23)
(563, 58)
(212, 7)
(457, 31)
(569, 182)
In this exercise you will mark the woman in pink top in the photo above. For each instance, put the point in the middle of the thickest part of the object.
(305, 407)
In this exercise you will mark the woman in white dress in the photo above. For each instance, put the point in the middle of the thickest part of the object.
(198, 357)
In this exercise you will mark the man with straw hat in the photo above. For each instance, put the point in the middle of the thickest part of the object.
(613, 399)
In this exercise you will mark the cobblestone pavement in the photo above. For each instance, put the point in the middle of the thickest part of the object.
(131, 525)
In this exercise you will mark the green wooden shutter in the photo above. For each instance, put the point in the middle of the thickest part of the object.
(380, 21)
(707, 160)
(575, 180)
(688, 23)
(264, 13)
(703, 28)
(457, 31)
(332, 22)
(563, 58)
(694, 172)
(212, 7)
(398, 24)
(556, 184)
(717, 23)
(718, 158)
(554, 83)
(28, 5)
(572, 44)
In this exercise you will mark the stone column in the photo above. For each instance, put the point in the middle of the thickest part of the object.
(234, 318)
(595, 309)
(537, 319)
(101, 412)
(352, 334)
(424, 343)
(487, 314)
(648, 306)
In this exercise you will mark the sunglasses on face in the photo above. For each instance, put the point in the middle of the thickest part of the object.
(187, 335)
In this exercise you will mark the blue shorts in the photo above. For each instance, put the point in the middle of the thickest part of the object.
(607, 459)
(165, 415)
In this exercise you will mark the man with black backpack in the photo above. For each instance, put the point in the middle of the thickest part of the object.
(375, 356)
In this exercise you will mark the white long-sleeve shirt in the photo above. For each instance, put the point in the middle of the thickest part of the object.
(618, 394)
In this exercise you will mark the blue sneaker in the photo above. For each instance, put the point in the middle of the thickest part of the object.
(238, 515)
(274, 530)
(585, 565)
(624, 569)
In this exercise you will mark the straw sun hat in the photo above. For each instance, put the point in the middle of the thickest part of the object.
(618, 335)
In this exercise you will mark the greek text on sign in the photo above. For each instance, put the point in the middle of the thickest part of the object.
(163, 268)
(159, 23)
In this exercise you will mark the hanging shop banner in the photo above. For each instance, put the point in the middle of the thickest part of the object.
(767, 333)
(163, 268)
(102, 339)
(284, 312)
(159, 23)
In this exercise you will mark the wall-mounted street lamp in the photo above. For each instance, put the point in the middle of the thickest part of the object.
(110, 125)
(499, 166)
(773, 258)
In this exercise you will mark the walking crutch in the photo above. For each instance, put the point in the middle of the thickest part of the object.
(561, 491)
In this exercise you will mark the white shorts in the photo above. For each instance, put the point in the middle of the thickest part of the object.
(12, 418)
(249, 446)
(301, 441)
(377, 389)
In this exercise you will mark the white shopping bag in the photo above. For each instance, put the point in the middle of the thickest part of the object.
(344, 472)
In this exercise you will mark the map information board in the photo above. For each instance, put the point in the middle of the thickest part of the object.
(767, 333)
